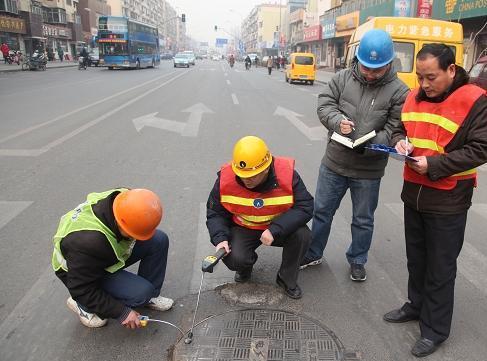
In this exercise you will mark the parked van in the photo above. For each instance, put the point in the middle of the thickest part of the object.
(301, 67)
(409, 36)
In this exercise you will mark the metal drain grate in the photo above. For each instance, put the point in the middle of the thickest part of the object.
(260, 335)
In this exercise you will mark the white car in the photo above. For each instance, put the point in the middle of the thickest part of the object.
(181, 60)
(192, 57)
(215, 57)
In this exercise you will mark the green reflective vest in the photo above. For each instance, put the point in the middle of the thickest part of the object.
(82, 218)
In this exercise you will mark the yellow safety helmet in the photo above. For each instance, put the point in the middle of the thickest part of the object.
(250, 157)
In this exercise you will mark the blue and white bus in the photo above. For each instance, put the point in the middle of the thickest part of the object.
(125, 43)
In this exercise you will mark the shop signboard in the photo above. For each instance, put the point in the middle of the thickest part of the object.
(459, 9)
(346, 24)
(313, 33)
(56, 31)
(12, 25)
(402, 8)
(425, 9)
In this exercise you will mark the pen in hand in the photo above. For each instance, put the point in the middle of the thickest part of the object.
(407, 145)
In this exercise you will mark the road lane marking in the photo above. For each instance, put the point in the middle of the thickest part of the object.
(65, 115)
(36, 152)
(472, 264)
(11, 209)
(312, 133)
(228, 82)
(188, 129)
(235, 100)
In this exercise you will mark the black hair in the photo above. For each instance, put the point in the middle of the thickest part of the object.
(441, 52)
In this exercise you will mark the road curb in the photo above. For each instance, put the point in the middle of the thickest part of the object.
(14, 70)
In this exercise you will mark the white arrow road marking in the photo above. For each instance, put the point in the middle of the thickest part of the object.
(188, 129)
(312, 133)
(37, 152)
(472, 264)
(228, 82)
(235, 100)
(10, 210)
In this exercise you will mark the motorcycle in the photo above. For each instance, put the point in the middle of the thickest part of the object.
(15, 56)
(38, 61)
(82, 63)
(247, 65)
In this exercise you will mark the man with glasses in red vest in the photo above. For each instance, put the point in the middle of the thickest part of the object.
(444, 128)
(259, 200)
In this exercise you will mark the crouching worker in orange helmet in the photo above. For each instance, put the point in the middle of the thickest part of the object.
(259, 199)
(97, 240)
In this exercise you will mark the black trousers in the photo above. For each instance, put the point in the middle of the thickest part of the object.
(433, 243)
(245, 241)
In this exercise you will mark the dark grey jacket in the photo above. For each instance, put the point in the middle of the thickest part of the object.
(371, 106)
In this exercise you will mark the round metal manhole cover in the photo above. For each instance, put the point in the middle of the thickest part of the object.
(260, 335)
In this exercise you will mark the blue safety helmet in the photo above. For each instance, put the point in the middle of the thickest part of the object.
(375, 49)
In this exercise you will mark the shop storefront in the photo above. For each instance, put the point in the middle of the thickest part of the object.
(327, 58)
(312, 41)
(57, 38)
(472, 15)
(11, 31)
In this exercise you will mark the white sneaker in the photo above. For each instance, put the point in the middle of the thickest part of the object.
(88, 319)
(160, 303)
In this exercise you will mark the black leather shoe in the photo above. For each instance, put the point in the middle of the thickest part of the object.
(295, 292)
(243, 276)
(399, 316)
(424, 347)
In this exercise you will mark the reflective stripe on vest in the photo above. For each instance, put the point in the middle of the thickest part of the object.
(82, 218)
(253, 209)
(431, 126)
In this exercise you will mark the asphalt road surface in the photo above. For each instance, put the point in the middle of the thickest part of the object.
(65, 133)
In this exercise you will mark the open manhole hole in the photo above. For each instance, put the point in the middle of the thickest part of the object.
(260, 335)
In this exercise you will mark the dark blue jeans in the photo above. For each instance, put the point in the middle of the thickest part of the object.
(330, 190)
(137, 289)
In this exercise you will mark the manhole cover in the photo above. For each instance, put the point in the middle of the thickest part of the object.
(260, 335)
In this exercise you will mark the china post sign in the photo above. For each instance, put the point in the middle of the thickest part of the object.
(454, 9)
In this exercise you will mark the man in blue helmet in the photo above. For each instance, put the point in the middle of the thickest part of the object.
(366, 97)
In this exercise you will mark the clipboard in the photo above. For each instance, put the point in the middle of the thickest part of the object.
(392, 152)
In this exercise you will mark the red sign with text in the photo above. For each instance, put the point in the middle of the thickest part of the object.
(425, 8)
(312, 33)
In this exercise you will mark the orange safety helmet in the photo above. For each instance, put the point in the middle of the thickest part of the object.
(138, 212)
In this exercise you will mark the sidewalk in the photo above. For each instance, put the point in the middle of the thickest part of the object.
(324, 76)
(7, 68)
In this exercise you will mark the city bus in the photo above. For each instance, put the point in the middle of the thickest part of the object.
(125, 43)
(409, 36)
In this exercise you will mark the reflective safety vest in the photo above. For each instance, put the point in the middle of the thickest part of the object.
(256, 210)
(431, 126)
(82, 218)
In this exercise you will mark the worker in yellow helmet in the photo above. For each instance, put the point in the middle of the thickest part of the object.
(258, 200)
(93, 244)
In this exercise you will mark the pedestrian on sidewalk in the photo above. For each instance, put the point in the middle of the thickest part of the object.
(5, 52)
(97, 240)
(50, 54)
(60, 53)
(283, 62)
(367, 97)
(259, 200)
(270, 64)
(444, 128)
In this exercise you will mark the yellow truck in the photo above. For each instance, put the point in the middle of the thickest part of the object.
(409, 36)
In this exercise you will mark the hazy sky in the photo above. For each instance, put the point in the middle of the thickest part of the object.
(203, 15)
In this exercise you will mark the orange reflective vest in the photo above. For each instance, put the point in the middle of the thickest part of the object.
(431, 126)
(256, 210)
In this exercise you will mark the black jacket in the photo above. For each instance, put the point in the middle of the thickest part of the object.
(219, 220)
(467, 150)
(87, 254)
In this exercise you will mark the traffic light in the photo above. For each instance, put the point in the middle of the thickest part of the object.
(183, 18)
(216, 28)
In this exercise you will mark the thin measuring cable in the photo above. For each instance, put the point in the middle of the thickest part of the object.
(167, 323)
(197, 302)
